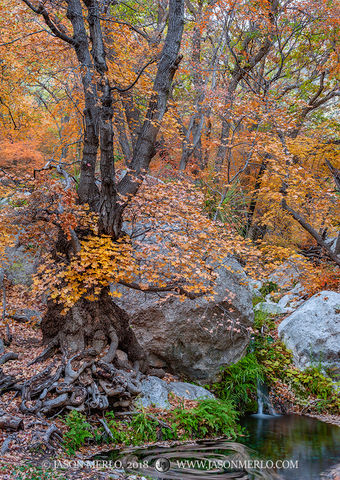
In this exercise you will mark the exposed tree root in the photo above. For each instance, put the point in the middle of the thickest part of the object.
(93, 385)
(8, 356)
(99, 367)
(8, 422)
(47, 353)
(6, 445)
(7, 382)
(47, 440)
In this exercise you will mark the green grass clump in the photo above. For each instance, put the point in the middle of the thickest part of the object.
(238, 383)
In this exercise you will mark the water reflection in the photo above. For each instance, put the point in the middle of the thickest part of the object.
(315, 444)
(213, 459)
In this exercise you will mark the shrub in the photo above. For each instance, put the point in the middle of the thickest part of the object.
(210, 417)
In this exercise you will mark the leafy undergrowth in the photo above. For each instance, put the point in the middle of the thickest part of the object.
(311, 390)
(205, 418)
(238, 383)
(31, 472)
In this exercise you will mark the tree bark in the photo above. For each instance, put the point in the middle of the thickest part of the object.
(254, 198)
(8, 422)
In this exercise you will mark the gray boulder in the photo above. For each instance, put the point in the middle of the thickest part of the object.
(156, 392)
(312, 332)
(20, 266)
(189, 391)
(194, 338)
(270, 307)
(287, 275)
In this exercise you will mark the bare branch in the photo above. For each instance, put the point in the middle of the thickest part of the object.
(137, 78)
(41, 10)
(171, 287)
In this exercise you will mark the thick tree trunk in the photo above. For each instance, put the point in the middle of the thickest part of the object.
(101, 363)
(108, 192)
(88, 191)
(99, 325)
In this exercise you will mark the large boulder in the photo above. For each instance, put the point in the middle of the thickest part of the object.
(312, 332)
(156, 392)
(194, 338)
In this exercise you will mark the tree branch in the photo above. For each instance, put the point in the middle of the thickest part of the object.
(41, 10)
(119, 89)
(304, 224)
(171, 287)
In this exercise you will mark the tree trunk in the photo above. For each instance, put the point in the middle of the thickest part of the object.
(93, 375)
(88, 324)
(101, 361)
(254, 198)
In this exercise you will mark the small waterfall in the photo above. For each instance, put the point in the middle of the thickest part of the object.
(263, 402)
(260, 398)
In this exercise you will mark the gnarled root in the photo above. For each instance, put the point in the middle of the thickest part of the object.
(91, 385)
(48, 440)
(100, 364)
(9, 422)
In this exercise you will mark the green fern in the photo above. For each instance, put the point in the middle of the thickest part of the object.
(239, 382)
(210, 417)
(78, 431)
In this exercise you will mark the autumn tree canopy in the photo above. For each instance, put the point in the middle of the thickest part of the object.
(211, 124)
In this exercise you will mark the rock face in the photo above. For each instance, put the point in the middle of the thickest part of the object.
(156, 392)
(194, 337)
(312, 332)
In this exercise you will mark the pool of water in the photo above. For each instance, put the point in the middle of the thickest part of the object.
(310, 446)
(314, 444)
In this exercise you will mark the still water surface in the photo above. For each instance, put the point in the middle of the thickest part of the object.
(313, 444)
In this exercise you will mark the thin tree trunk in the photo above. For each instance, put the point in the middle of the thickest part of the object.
(254, 198)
